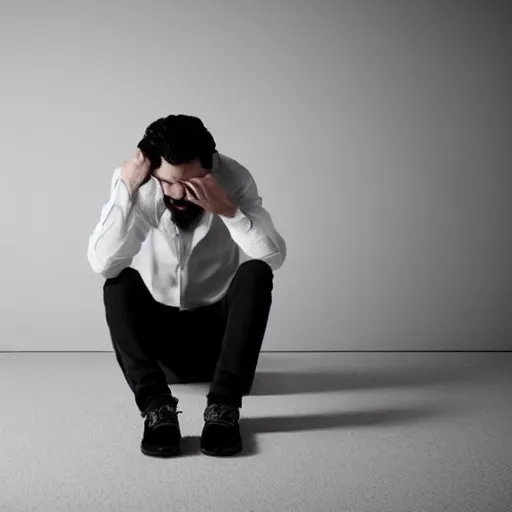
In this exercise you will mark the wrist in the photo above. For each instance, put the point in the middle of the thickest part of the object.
(130, 184)
(231, 213)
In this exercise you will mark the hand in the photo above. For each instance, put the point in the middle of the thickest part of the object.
(135, 172)
(208, 194)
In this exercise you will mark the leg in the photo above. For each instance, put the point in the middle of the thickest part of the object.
(247, 307)
(132, 319)
(203, 330)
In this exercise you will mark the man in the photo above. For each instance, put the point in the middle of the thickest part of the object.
(168, 243)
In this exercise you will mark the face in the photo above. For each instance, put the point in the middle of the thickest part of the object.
(183, 213)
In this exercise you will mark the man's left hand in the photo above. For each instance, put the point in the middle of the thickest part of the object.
(209, 195)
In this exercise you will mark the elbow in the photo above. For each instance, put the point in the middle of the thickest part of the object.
(98, 266)
(276, 259)
(107, 272)
(282, 251)
(102, 268)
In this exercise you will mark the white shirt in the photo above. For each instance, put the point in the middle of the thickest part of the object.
(181, 269)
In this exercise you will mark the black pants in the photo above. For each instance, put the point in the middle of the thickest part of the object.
(218, 343)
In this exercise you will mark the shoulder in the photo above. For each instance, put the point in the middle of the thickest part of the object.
(228, 163)
(230, 172)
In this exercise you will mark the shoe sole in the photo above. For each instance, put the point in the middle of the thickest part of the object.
(223, 453)
(170, 452)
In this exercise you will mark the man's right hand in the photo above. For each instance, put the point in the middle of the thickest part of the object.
(135, 172)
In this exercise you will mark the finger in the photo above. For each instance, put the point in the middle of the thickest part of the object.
(190, 197)
(194, 190)
(197, 181)
(202, 186)
(204, 183)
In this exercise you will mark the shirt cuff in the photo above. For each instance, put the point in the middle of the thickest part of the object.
(239, 222)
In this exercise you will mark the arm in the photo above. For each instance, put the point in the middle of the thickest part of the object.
(252, 228)
(119, 234)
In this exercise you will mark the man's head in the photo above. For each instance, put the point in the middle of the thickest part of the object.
(179, 147)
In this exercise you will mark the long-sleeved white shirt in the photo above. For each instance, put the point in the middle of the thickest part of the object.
(184, 269)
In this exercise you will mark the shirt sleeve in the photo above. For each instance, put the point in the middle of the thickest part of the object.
(119, 234)
(252, 227)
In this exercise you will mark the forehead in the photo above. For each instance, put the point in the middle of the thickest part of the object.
(173, 173)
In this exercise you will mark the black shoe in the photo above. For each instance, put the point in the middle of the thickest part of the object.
(221, 431)
(162, 433)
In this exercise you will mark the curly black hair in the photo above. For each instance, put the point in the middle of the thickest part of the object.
(179, 139)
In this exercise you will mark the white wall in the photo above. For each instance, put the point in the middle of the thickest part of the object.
(378, 134)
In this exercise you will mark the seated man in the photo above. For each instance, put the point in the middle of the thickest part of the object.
(168, 244)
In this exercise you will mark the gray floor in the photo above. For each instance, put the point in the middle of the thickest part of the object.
(424, 432)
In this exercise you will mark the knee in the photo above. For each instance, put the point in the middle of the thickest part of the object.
(256, 269)
(127, 279)
(128, 274)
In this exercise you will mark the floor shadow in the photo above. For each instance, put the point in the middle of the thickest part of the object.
(288, 382)
(298, 382)
(251, 427)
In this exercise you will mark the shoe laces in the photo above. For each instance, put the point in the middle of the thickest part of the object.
(164, 415)
(221, 414)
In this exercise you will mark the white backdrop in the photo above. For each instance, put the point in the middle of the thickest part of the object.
(378, 134)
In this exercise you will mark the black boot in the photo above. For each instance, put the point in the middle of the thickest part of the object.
(162, 435)
(221, 431)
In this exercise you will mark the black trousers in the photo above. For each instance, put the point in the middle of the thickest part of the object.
(219, 343)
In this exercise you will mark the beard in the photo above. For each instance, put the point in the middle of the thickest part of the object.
(185, 218)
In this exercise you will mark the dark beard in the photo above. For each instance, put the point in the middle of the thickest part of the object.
(185, 219)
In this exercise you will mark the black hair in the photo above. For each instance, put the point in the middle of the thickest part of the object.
(179, 139)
